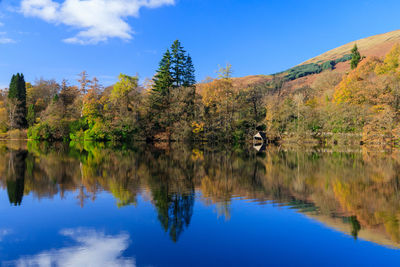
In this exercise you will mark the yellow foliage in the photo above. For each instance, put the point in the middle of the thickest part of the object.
(123, 87)
(353, 88)
(391, 62)
(198, 127)
(197, 155)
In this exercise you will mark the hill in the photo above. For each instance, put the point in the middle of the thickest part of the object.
(377, 45)
(305, 73)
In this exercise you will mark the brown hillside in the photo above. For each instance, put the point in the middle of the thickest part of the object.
(377, 45)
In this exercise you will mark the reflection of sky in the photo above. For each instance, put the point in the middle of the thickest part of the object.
(92, 249)
(256, 235)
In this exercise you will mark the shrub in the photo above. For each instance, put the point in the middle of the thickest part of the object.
(303, 70)
(40, 131)
(314, 68)
(343, 59)
(77, 129)
(96, 131)
(328, 65)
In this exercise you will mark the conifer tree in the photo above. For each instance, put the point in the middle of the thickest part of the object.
(17, 102)
(189, 77)
(163, 82)
(13, 89)
(173, 92)
(355, 57)
(178, 61)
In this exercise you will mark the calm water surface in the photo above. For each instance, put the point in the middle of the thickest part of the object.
(92, 205)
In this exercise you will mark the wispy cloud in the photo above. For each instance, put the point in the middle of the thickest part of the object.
(4, 39)
(4, 232)
(93, 249)
(97, 20)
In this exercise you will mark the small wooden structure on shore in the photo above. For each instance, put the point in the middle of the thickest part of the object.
(260, 137)
(260, 141)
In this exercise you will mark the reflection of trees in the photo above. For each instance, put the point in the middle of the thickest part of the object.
(174, 210)
(355, 226)
(361, 188)
(16, 176)
(172, 187)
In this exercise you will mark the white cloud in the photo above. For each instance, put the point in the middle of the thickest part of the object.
(97, 20)
(93, 249)
(4, 39)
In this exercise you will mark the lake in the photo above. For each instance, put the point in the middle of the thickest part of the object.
(175, 205)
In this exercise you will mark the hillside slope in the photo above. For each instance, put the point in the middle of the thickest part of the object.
(377, 45)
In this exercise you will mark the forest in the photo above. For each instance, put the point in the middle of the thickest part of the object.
(362, 102)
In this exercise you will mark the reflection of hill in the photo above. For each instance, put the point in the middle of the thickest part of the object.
(372, 235)
(351, 191)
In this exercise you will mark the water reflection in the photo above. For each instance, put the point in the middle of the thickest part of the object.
(15, 174)
(356, 193)
(91, 249)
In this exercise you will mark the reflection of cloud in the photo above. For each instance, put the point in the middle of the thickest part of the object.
(93, 249)
(3, 233)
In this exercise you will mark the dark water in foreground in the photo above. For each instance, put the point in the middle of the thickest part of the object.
(179, 206)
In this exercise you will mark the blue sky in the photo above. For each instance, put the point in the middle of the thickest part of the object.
(60, 38)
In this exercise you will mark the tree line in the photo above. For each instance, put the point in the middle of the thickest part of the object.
(170, 106)
(362, 101)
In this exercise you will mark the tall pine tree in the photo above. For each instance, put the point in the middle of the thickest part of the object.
(178, 64)
(175, 72)
(17, 102)
(355, 57)
(160, 95)
(163, 82)
(189, 78)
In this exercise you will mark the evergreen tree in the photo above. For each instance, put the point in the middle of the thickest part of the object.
(160, 94)
(169, 100)
(13, 89)
(189, 77)
(163, 80)
(178, 61)
(355, 57)
(17, 101)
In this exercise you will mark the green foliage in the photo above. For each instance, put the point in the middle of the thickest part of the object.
(189, 78)
(355, 57)
(178, 64)
(303, 70)
(77, 129)
(175, 71)
(96, 131)
(314, 68)
(30, 117)
(328, 65)
(343, 59)
(125, 85)
(40, 131)
(17, 101)
(162, 84)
